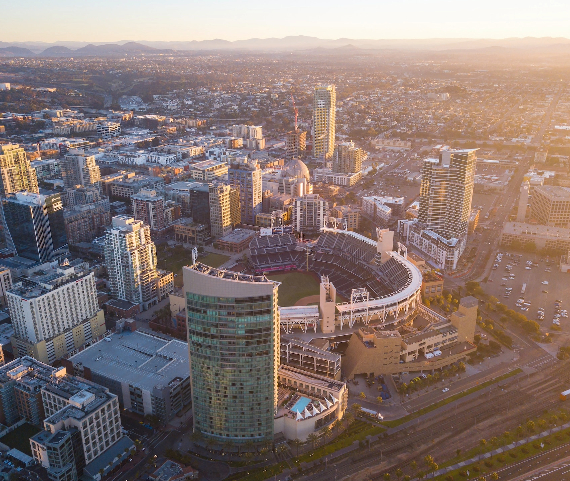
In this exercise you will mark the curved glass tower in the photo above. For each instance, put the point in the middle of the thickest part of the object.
(233, 340)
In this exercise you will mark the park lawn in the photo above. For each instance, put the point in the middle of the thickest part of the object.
(295, 286)
(20, 438)
(213, 260)
(421, 412)
(550, 442)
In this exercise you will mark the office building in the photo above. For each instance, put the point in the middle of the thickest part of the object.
(245, 176)
(5, 284)
(295, 144)
(55, 312)
(16, 173)
(523, 201)
(324, 121)
(148, 207)
(149, 372)
(347, 158)
(78, 168)
(535, 236)
(188, 232)
(34, 225)
(309, 214)
(233, 340)
(550, 205)
(130, 257)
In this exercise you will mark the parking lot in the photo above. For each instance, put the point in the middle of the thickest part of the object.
(543, 283)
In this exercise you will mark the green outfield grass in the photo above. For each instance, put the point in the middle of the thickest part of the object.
(295, 286)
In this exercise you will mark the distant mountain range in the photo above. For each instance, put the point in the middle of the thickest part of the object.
(293, 43)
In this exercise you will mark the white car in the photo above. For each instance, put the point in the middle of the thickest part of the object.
(527, 268)
(544, 283)
(445, 389)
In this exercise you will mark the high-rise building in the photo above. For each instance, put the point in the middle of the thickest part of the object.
(55, 312)
(78, 168)
(523, 201)
(233, 340)
(296, 143)
(309, 214)
(245, 176)
(130, 257)
(446, 192)
(34, 225)
(324, 121)
(148, 206)
(16, 173)
(347, 158)
(225, 211)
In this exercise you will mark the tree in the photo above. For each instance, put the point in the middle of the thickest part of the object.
(348, 417)
(483, 442)
(458, 452)
(312, 438)
(407, 477)
(326, 432)
(399, 473)
(356, 409)
(362, 395)
(530, 426)
(520, 431)
(414, 465)
(495, 476)
(428, 459)
(387, 476)
(249, 445)
(379, 399)
(297, 443)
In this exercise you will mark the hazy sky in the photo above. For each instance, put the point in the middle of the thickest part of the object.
(113, 20)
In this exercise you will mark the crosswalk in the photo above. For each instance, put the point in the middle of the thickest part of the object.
(543, 361)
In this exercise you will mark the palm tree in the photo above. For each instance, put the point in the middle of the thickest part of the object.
(399, 473)
(312, 438)
(228, 445)
(249, 445)
(297, 443)
(326, 432)
(414, 465)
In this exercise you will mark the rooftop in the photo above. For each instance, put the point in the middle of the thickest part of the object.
(229, 275)
(137, 358)
(238, 235)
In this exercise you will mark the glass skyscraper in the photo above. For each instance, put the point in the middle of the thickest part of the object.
(233, 340)
(34, 225)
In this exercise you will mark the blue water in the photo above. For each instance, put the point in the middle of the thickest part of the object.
(301, 404)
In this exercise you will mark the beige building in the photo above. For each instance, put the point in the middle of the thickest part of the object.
(324, 121)
(16, 173)
(350, 215)
(541, 236)
(550, 205)
(220, 211)
(208, 170)
(372, 351)
(79, 168)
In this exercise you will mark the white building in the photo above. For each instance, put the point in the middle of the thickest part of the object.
(130, 257)
(108, 130)
(309, 213)
(55, 312)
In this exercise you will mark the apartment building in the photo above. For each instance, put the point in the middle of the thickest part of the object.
(309, 214)
(295, 143)
(78, 168)
(148, 207)
(55, 312)
(324, 121)
(347, 158)
(16, 173)
(130, 257)
(245, 176)
(208, 170)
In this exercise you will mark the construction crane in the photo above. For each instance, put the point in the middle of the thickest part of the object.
(296, 112)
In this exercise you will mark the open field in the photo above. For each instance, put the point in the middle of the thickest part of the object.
(295, 286)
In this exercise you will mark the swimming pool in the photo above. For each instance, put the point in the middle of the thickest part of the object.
(301, 404)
